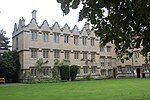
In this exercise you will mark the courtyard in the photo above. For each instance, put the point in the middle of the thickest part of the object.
(113, 89)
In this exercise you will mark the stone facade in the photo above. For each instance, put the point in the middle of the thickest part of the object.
(80, 48)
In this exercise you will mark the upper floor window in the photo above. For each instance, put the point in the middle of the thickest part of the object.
(102, 61)
(33, 53)
(66, 54)
(16, 43)
(45, 53)
(108, 48)
(56, 53)
(109, 60)
(92, 42)
(76, 54)
(92, 55)
(34, 35)
(76, 39)
(101, 49)
(45, 37)
(66, 38)
(85, 55)
(84, 40)
(56, 37)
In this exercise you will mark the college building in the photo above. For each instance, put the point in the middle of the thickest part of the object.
(77, 47)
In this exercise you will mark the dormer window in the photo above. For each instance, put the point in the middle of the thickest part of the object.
(92, 42)
(34, 35)
(84, 40)
(45, 37)
(76, 40)
(66, 38)
(56, 37)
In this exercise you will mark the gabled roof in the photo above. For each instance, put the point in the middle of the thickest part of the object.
(56, 28)
(45, 26)
(92, 34)
(33, 24)
(84, 32)
(66, 29)
(75, 30)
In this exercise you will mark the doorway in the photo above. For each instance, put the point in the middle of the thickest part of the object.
(114, 73)
(143, 75)
(138, 72)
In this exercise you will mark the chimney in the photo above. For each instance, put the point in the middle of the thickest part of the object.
(34, 14)
(87, 26)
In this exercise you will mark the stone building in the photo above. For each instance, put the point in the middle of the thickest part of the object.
(80, 48)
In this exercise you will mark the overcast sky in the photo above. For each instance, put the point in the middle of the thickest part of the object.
(12, 10)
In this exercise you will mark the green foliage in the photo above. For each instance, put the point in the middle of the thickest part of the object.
(73, 71)
(55, 76)
(10, 66)
(126, 24)
(64, 72)
(55, 70)
(4, 41)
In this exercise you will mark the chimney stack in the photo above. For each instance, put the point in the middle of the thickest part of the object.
(34, 14)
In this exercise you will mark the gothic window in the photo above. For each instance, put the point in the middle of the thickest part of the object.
(85, 69)
(93, 69)
(76, 40)
(33, 53)
(45, 37)
(85, 55)
(66, 38)
(34, 35)
(92, 41)
(66, 54)
(56, 53)
(108, 48)
(76, 54)
(84, 40)
(56, 37)
(45, 53)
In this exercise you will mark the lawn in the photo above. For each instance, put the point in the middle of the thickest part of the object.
(123, 89)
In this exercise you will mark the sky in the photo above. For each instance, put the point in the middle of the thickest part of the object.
(13, 10)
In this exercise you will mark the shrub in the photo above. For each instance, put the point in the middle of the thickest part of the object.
(73, 71)
(64, 72)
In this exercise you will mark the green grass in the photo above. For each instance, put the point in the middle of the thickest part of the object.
(123, 89)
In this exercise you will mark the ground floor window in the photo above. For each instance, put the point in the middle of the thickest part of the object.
(46, 71)
(33, 71)
(78, 72)
(93, 69)
(110, 72)
(85, 69)
(103, 72)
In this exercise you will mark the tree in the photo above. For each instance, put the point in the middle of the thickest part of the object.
(127, 24)
(38, 65)
(10, 66)
(4, 41)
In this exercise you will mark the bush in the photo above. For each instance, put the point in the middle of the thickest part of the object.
(73, 71)
(64, 72)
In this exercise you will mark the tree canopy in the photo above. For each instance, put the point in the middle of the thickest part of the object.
(4, 41)
(10, 66)
(127, 24)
